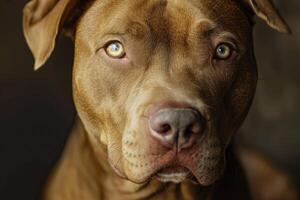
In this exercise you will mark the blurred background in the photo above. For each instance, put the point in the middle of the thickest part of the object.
(36, 109)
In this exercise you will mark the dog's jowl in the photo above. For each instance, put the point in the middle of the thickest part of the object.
(160, 87)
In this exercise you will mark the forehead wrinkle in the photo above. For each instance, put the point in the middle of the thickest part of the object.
(157, 26)
(205, 28)
(185, 18)
(136, 29)
(175, 26)
(141, 20)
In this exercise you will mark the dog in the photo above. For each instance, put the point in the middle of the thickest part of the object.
(160, 88)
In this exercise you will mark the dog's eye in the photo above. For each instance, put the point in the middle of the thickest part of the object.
(223, 51)
(115, 49)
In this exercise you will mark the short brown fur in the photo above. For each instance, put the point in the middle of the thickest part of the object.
(169, 58)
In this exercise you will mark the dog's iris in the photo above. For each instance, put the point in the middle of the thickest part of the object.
(115, 49)
(223, 51)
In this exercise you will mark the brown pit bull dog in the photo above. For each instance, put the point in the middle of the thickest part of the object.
(160, 87)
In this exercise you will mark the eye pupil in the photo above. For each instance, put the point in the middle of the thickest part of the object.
(114, 47)
(221, 49)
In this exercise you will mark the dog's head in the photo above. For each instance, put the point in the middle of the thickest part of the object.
(163, 84)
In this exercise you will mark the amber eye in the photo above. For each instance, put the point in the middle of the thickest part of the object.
(223, 51)
(115, 49)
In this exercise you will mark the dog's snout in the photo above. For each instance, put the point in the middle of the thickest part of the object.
(176, 126)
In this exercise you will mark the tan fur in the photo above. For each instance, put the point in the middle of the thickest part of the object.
(170, 47)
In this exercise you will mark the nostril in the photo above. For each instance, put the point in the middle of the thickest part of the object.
(196, 127)
(193, 129)
(159, 125)
(164, 128)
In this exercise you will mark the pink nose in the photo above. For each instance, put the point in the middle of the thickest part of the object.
(177, 126)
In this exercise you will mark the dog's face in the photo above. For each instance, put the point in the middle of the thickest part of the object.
(164, 85)
(141, 66)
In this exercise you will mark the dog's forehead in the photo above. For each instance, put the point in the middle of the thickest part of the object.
(166, 16)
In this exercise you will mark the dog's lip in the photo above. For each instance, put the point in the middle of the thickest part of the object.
(175, 174)
(172, 169)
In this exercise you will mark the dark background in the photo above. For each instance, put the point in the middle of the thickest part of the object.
(36, 109)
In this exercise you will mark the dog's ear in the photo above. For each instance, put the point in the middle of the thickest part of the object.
(266, 10)
(42, 20)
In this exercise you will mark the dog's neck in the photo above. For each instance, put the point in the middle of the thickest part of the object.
(82, 175)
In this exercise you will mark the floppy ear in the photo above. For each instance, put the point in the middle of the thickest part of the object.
(266, 10)
(41, 23)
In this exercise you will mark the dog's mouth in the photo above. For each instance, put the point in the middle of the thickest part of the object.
(175, 174)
